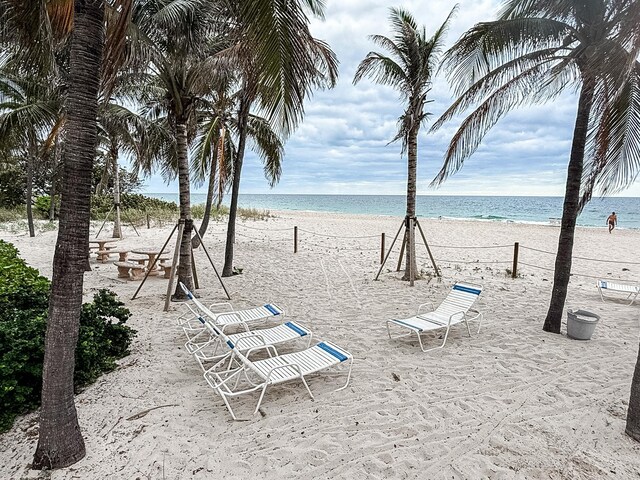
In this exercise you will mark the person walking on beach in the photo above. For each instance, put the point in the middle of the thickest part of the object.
(612, 220)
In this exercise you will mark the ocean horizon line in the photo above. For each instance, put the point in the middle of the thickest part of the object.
(173, 193)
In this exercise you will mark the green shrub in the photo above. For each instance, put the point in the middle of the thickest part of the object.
(42, 206)
(12, 214)
(130, 202)
(24, 297)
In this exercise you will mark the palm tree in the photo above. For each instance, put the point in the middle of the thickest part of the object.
(60, 441)
(535, 50)
(179, 38)
(279, 63)
(410, 68)
(216, 147)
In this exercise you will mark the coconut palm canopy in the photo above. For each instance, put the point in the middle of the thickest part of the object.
(536, 50)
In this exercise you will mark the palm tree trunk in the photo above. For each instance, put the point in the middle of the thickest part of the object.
(412, 164)
(633, 414)
(30, 162)
(570, 211)
(60, 441)
(243, 117)
(184, 269)
(208, 205)
(117, 225)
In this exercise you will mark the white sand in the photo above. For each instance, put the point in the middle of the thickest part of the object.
(512, 402)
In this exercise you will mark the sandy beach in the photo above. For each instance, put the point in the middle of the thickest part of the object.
(511, 402)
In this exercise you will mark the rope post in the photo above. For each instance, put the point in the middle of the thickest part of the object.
(382, 249)
(514, 271)
(295, 239)
(148, 222)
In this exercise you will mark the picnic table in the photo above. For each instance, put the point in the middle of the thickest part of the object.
(103, 255)
(152, 253)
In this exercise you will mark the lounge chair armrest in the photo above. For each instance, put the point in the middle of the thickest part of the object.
(268, 348)
(476, 312)
(227, 314)
(461, 314)
(429, 304)
(282, 367)
(222, 304)
(232, 326)
(242, 340)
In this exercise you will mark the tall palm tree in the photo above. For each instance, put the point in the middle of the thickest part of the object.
(410, 68)
(278, 63)
(180, 39)
(60, 441)
(535, 50)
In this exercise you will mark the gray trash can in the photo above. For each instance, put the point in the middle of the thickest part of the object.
(581, 324)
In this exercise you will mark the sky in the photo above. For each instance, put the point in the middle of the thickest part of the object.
(342, 145)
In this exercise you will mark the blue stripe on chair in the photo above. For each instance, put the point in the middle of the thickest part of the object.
(296, 329)
(475, 291)
(332, 351)
(272, 309)
(230, 343)
(413, 327)
(201, 319)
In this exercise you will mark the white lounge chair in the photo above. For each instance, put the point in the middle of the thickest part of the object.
(244, 376)
(206, 345)
(453, 310)
(227, 317)
(632, 291)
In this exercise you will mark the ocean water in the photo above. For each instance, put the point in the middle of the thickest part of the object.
(500, 209)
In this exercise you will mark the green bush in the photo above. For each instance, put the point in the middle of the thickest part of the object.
(130, 202)
(13, 214)
(43, 204)
(24, 297)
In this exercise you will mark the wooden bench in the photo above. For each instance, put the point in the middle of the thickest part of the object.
(130, 270)
(166, 268)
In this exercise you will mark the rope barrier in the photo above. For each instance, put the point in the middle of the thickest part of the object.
(536, 266)
(584, 258)
(463, 247)
(475, 262)
(264, 229)
(333, 236)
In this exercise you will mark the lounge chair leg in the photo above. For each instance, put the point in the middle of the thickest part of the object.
(264, 389)
(348, 377)
(226, 402)
(307, 386)
(467, 324)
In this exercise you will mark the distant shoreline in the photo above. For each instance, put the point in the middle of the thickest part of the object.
(518, 209)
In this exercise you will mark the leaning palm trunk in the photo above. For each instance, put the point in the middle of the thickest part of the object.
(30, 162)
(184, 269)
(117, 225)
(207, 208)
(60, 441)
(570, 211)
(243, 117)
(633, 414)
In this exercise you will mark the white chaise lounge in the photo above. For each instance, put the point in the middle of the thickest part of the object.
(631, 291)
(243, 375)
(208, 346)
(454, 309)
